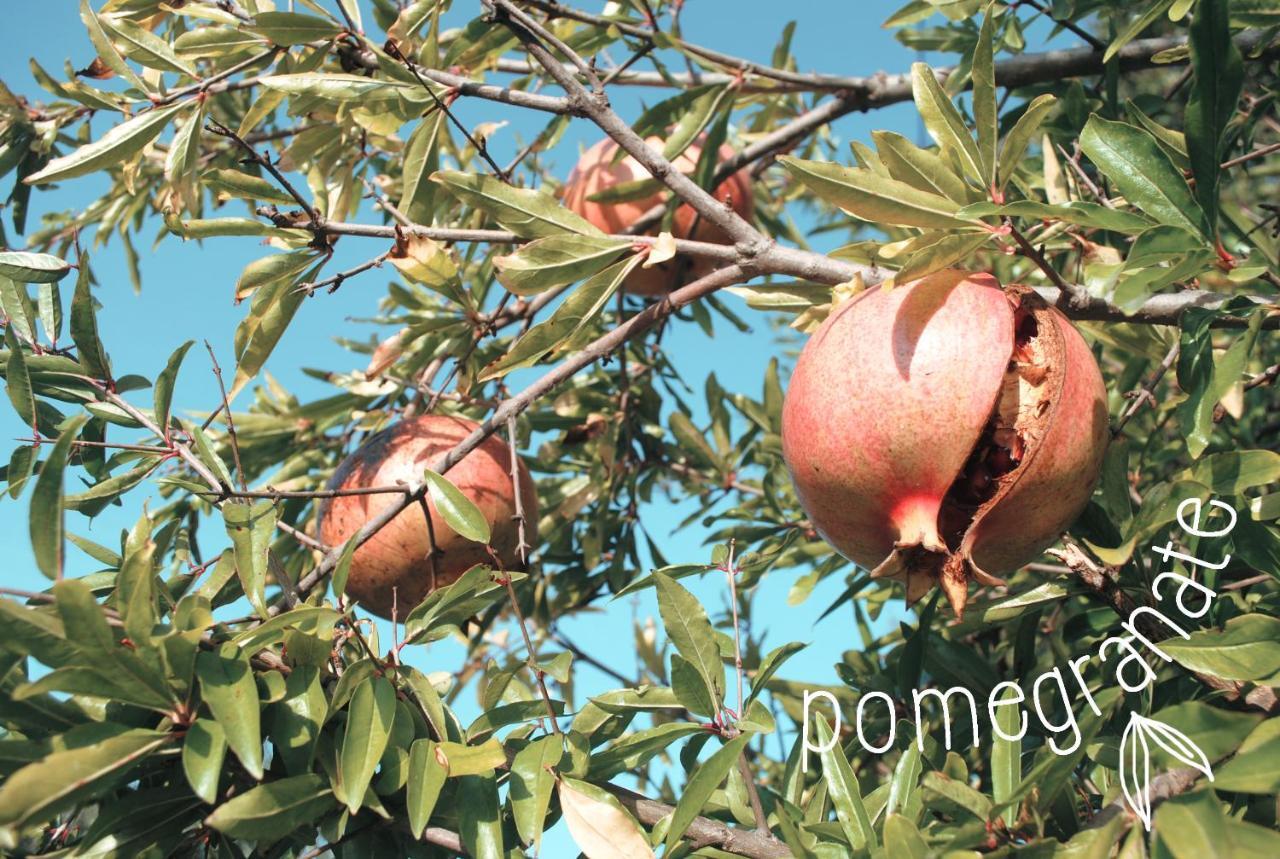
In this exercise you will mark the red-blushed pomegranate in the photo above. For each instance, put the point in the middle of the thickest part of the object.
(393, 567)
(596, 172)
(944, 431)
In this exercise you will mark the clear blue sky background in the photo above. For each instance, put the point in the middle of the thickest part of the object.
(187, 292)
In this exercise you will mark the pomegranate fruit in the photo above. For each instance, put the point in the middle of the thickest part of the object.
(944, 431)
(394, 567)
(596, 172)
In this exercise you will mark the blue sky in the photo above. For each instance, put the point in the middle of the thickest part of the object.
(187, 293)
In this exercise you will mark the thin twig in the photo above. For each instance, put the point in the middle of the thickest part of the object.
(267, 164)
(539, 676)
(522, 547)
(481, 149)
(231, 424)
(1146, 391)
(1072, 294)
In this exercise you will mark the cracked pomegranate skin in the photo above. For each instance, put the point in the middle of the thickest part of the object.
(889, 420)
(394, 561)
(595, 172)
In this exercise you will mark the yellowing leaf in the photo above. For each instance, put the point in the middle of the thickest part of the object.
(599, 825)
(661, 251)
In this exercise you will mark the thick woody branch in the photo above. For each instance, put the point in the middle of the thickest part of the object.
(1163, 309)
(884, 89)
(703, 831)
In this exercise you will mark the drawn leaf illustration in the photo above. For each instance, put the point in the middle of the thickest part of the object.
(1135, 760)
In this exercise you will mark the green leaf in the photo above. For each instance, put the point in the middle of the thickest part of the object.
(205, 452)
(947, 250)
(1006, 757)
(689, 629)
(528, 214)
(338, 581)
(245, 186)
(1215, 91)
(203, 748)
(28, 267)
(1080, 212)
(693, 120)
(1174, 143)
(555, 261)
(117, 145)
(228, 689)
(1019, 138)
(426, 777)
(369, 717)
(1247, 648)
(634, 750)
(1135, 164)
(480, 816)
(458, 511)
(873, 198)
(921, 168)
(339, 87)
(532, 779)
(294, 28)
(944, 122)
(1135, 28)
(15, 301)
(842, 787)
(1253, 769)
(461, 759)
(271, 811)
(692, 689)
(1233, 471)
(50, 304)
(1189, 826)
(421, 159)
(271, 269)
(296, 719)
(770, 665)
(163, 388)
(903, 839)
(563, 329)
(84, 327)
(1206, 379)
(985, 113)
(270, 312)
(90, 759)
(18, 380)
(107, 51)
(250, 528)
(46, 520)
(705, 779)
(135, 585)
(146, 48)
(943, 792)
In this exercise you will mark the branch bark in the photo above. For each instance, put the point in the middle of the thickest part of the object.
(1163, 309)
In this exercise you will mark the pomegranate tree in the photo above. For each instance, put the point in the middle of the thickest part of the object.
(599, 169)
(396, 568)
(944, 431)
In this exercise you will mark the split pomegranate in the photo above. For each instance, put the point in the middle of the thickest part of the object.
(597, 172)
(394, 568)
(944, 431)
